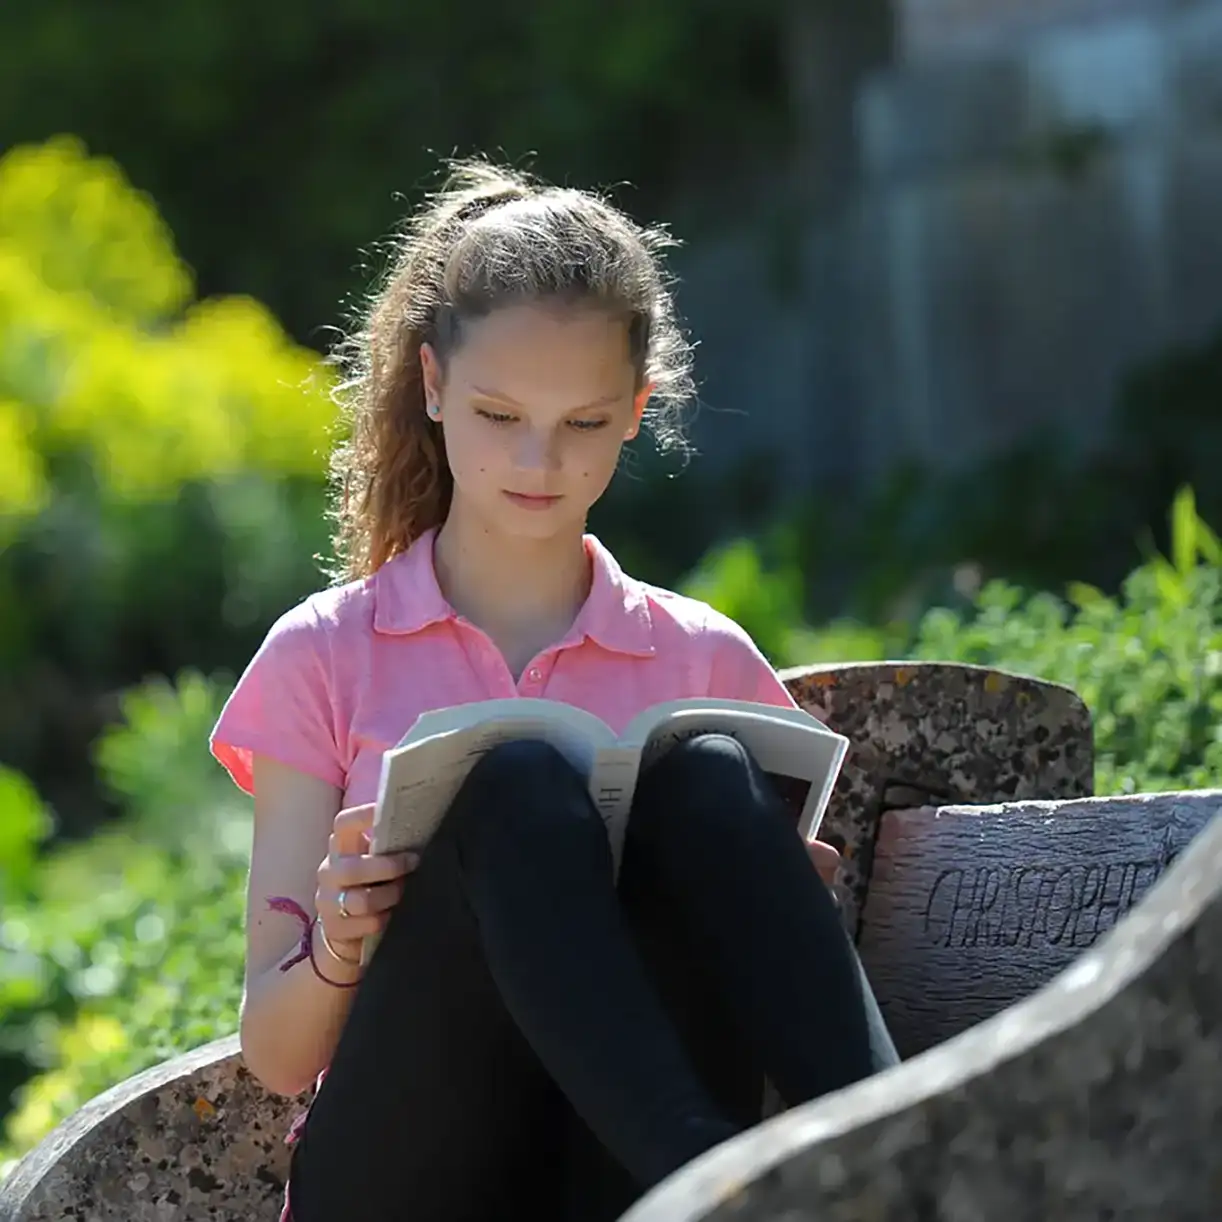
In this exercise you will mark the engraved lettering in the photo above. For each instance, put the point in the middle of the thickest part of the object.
(944, 895)
(1066, 899)
(1086, 905)
(1037, 904)
(994, 883)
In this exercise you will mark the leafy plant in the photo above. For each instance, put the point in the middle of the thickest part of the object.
(120, 951)
(161, 462)
(1148, 662)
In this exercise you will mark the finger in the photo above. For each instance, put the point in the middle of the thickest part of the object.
(348, 826)
(342, 930)
(354, 871)
(825, 859)
(363, 901)
(821, 851)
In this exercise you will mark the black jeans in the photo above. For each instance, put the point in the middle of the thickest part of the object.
(530, 1039)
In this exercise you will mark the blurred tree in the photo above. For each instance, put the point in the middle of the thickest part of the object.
(275, 137)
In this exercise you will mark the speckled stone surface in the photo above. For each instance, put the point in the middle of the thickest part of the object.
(1098, 1098)
(195, 1138)
(939, 734)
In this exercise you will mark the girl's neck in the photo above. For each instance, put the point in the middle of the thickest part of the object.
(524, 593)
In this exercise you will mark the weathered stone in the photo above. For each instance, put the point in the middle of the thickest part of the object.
(971, 909)
(195, 1138)
(947, 734)
(1099, 1097)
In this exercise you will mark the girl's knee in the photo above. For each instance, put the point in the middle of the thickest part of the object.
(707, 763)
(527, 790)
(521, 762)
(697, 782)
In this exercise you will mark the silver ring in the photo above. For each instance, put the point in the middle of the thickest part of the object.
(343, 904)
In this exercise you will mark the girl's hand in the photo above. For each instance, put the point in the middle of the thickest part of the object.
(825, 859)
(356, 889)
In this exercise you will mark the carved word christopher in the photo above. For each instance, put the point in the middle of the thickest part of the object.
(1037, 904)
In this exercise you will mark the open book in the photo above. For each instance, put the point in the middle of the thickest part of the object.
(422, 775)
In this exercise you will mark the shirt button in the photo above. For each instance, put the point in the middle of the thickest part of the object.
(533, 674)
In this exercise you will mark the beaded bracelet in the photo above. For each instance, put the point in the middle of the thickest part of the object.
(283, 903)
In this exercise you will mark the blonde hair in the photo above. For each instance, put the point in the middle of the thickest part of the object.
(489, 237)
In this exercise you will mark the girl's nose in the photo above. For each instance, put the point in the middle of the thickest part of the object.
(537, 450)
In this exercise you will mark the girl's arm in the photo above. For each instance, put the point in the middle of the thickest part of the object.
(291, 1021)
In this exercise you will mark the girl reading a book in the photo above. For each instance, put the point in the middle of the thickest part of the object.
(533, 1036)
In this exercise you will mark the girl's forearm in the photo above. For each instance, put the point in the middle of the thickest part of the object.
(291, 1020)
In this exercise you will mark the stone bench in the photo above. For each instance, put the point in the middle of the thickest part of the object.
(1099, 1097)
(978, 869)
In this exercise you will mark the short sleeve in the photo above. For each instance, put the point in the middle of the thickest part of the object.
(739, 670)
(281, 707)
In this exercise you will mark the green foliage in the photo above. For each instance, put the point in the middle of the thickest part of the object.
(103, 353)
(127, 948)
(766, 602)
(161, 460)
(24, 825)
(1148, 662)
(1046, 513)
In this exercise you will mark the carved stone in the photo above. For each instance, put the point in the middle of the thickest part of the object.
(971, 909)
(1099, 1097)
(939, 734)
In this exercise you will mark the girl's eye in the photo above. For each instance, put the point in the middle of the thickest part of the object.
(495, 417)
(588, 426)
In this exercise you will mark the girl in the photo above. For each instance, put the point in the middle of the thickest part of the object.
(530, 1038)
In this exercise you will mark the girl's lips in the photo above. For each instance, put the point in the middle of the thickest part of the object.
(527, 501)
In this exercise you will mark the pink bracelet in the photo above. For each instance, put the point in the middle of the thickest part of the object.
(283, 903)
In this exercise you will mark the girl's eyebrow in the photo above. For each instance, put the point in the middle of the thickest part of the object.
(510, 401)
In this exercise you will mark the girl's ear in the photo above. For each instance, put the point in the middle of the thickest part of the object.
(430, 374)
(639, 403)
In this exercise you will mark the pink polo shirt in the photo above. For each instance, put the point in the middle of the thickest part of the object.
(344, 675)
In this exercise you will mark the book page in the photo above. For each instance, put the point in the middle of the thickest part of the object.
(612, 787)
(638, 730)
(421, 780)
(802, 756)
(513, 708)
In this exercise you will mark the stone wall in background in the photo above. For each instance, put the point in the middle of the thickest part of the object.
(1032, 221)
(930, 29)
(1031, 216)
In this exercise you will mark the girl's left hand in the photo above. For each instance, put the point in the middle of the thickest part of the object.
(825, 859)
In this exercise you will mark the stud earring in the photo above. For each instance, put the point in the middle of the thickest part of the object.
(434, 411)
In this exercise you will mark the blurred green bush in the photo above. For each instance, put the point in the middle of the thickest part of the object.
(1148, 661)
(161, 462)
(119, 951)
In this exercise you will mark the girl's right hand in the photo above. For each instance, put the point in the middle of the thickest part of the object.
(356, 889)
